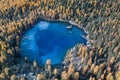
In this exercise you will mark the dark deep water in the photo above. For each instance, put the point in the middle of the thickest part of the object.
(50, 40)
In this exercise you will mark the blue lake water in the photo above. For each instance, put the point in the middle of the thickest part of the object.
(50, 40)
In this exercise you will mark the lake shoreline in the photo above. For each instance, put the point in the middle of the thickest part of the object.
(43, 25)
(72, 23)
(99, 59)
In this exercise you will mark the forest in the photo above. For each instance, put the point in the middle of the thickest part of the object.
(99, 18)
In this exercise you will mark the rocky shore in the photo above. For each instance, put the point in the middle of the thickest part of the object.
(100, 20)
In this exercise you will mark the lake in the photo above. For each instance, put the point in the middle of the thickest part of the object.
(50, 40)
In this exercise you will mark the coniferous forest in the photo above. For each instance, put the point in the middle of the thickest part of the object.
(99, 60)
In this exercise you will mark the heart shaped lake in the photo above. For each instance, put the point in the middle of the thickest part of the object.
(50, 40)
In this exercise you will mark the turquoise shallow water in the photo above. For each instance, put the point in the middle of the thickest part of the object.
(50, 40)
